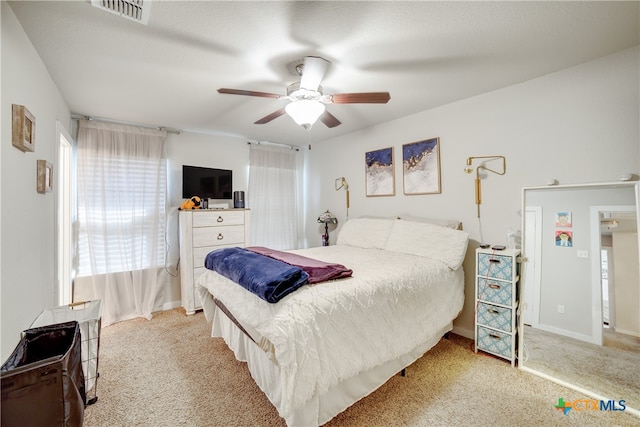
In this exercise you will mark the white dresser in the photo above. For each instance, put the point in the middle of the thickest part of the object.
(497, 283)
(202, 231)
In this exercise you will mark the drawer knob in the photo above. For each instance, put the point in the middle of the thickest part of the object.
(220, 236)
(495, 337)
(493, 311)
(494, 260)
(494, 286)
(220, 219)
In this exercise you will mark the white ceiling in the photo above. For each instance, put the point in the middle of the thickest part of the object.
(426, 54)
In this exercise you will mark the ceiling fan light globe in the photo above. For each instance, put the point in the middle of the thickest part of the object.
(305, 112)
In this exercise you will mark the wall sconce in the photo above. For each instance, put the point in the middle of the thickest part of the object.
(342, 183)
(469, 169)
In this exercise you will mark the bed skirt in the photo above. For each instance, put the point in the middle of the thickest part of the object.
(321, 408)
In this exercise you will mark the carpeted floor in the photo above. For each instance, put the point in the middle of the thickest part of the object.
(612, 370)
(170, 372)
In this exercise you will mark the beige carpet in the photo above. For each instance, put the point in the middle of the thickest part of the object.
(612, 370)
(170, 372)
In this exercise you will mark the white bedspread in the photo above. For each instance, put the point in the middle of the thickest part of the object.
(328, 332)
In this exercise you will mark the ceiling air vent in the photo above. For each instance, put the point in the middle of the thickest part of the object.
(136, 10)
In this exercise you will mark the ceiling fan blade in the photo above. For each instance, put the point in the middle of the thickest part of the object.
(313, 72)
(269, 117)
(361, 98)
(329, 119)
(248, 93)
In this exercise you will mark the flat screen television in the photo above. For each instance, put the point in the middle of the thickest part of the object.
(208, 183)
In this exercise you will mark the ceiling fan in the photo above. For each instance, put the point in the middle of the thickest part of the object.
(307, 100)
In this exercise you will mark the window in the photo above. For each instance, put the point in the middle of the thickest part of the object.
(119, 216)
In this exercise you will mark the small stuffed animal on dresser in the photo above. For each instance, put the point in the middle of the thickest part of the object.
(192, 203)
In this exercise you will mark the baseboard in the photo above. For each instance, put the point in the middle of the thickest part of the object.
(170, 305)
(626, 332)
(566, 333)
(464, 332)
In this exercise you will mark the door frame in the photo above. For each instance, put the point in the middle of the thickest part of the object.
(63, 292)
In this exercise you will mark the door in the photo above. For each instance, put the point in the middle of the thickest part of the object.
(531, 279)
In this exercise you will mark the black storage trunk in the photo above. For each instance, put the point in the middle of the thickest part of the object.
(42, 380)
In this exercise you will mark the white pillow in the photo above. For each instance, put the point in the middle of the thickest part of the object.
(365, 232)
(449, 223)
(429, 240)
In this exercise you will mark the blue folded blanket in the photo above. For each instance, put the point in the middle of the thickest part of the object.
(266, 277)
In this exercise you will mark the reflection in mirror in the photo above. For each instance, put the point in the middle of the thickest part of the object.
(580, 297)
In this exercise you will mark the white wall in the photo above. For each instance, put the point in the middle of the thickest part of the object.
(577, 125)
(27, 217)
(198, 150)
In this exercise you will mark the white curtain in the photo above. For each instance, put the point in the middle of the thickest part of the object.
(121, 217)
(273, 197)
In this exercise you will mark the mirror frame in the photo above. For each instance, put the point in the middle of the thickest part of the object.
(521, 349)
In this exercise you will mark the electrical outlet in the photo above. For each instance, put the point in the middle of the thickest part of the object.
(561, 309)
(582, 254)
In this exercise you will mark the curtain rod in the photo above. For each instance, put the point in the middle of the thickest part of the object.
(292, 147)
(119, 122)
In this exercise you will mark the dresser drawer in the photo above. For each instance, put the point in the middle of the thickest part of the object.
(497, 291)
(199, 254)
(213, 219)
(218, 236)
(496, 342)
(494, 316)
(496, 266)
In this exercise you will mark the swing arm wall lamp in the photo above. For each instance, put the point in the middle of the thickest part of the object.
(342, 183)
(482, 166)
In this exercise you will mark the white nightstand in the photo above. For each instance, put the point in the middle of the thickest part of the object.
(497, 283)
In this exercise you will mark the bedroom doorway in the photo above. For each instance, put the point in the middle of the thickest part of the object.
(620, 282)
(608, 288)
(608, 225)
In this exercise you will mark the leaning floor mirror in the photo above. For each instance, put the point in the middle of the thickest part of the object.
(580, 295)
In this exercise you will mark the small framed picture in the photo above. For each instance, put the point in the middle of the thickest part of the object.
(563, 219)
(45, 177)
(564, 238)
(379, 173)
(23, 128)
(421, 167)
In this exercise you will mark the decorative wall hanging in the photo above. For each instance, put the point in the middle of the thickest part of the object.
(23, 128)
(564, 238)
(563, 219)
(421, 167)
(379, 173)
(45, 177)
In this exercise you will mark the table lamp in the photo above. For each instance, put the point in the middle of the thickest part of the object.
(327, 218)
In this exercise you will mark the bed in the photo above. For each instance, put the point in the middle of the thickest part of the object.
(324, 346)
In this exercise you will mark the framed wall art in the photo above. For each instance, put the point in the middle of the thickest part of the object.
(563, 219)
(421, 167)
(23, 128)
(564, 238)
(45, 177)
(379, 173)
